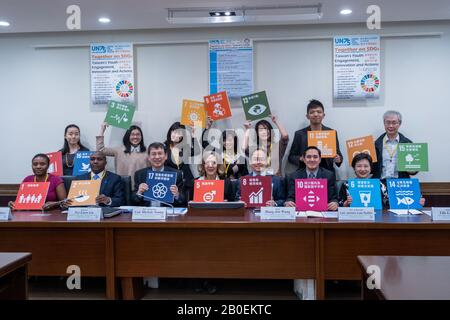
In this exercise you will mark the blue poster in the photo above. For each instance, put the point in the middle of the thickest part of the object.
(81, 164)
(231, 67)
(159, 185)
(404, 193)
(365, 193)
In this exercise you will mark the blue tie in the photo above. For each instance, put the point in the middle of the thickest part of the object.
(96, 177)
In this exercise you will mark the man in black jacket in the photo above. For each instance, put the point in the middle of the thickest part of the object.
(386, 147)
(312, 158)
(157, 155)
(315, 114)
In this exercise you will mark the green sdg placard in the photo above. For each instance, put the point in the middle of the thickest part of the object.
(256, 106)
(120, 114)
(412, 157)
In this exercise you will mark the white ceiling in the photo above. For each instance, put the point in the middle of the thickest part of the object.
(50, 15)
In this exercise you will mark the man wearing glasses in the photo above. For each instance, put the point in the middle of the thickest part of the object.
(386, 147)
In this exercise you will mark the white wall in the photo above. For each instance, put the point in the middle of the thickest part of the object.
(43, 90)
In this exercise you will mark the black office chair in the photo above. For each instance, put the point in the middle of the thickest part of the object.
(126, 182)
(68, 181)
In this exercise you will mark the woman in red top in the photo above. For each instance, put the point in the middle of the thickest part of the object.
(56, 191)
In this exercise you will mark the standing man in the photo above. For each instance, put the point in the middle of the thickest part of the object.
(157, 156)
(111, 187)
(386, 147)
(315, 113)
(312, 158)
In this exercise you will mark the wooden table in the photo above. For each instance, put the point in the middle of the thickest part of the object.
(14, 275)
(223, 247)
(408, 277)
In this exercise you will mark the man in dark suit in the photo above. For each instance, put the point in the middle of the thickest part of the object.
(386, 148)
(111, 187)
(259, 165)
(312, 170)
(157, 155)
(315, 114)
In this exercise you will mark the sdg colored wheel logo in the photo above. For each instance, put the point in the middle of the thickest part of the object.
(124, 88)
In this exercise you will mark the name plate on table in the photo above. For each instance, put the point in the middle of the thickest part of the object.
(440, 214)
(277, 213)
(84, 214)
(146, 213)
(356, 214)
(5, 214)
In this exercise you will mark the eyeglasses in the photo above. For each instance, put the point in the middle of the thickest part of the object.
(394, 123)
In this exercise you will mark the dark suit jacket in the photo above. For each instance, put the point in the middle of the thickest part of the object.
(378, 166)
(321, 174)
(278, 190)
(300, 144)
(140, 176)
(111, 186)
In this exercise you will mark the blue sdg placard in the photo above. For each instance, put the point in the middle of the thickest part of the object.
(159, 185)
(404, 193)
(81, 163)
(365, 193)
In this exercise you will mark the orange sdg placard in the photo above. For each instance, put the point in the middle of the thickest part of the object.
(193, 114)
(84, 192)
(31, 195)
(208, 190)
(325, 140)
(358, 145)
(218, 106)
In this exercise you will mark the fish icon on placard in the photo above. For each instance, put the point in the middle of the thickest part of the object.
(405, 200)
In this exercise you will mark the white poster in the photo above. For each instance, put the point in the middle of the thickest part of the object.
(357, 67)
(231, 67)
(112, 72)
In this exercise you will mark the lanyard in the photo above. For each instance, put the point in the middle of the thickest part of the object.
(101, 178)
(390, 152)
(46, 178)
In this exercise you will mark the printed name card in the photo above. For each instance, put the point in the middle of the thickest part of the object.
(277, 213)
(440, 214)
(84, 214)
(5, 214)
(148, 213)
(356, 214)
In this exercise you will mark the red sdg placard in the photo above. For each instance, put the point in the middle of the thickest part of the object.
(256, 191)
(209, 190)
(55, 166)
(31, 195)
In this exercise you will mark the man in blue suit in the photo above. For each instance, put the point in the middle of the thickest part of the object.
(259, 165)
(111, 187)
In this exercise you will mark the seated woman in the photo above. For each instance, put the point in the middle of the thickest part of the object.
(212, 169)
(362, 164)
(235, 165)
(56, 192)
(129, 157)
(71, 146)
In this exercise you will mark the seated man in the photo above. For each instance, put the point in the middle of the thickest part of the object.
(312, 158)
(259, 165)
(157, 155)
(111, 187)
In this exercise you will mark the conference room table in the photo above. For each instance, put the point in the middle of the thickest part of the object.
(123, 251)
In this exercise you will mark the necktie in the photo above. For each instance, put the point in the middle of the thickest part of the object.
(312, 176)
(96, 177)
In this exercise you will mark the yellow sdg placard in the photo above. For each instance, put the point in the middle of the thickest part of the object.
(325, 140)
(193, 113)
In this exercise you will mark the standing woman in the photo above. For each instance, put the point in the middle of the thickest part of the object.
(235, 165)
(175, 148)
(265, 141)
(128, 158)
(72, 145)
(56, 191)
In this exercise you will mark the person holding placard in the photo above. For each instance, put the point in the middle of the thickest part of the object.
(386, 147)
(212, 169)
(71, 146)
(56, 192)
(315, 113)
(157, 156)
(235, 165)
(111, 187)
(129, 157)
(268, 140)
(312, 158)
(259, 166)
